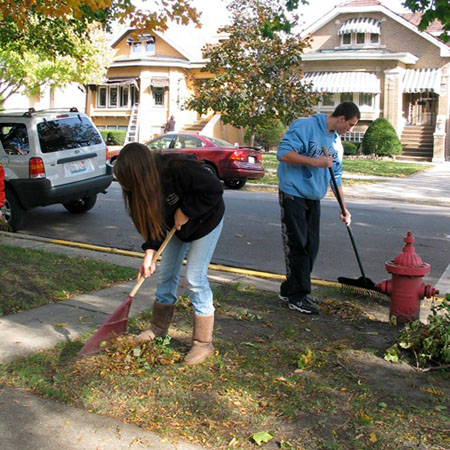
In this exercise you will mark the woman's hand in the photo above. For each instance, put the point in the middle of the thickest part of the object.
(147, 267)
(180, 219)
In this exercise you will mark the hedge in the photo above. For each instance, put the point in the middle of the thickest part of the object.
(113, 137)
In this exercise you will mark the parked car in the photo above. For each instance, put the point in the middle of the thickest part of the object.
(232, 164)
(50, 157)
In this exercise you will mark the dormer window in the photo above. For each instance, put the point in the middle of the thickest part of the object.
(359, 32)
(142, 44)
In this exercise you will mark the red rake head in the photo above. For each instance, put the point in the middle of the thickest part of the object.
(114, 325)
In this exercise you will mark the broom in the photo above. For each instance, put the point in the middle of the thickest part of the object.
(116, 323)
(362, 284)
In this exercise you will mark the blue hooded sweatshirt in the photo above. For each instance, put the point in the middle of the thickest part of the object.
(307, 137)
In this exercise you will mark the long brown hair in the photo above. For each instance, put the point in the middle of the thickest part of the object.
(138, 171)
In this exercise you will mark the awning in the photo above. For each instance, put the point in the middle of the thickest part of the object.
(160, 82)
(141, 38)
(360, 25)
(366, 82)
(422, 80)
(123, 82)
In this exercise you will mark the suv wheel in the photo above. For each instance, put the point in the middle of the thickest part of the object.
(235, 183)
(81, 205)
(13, 212)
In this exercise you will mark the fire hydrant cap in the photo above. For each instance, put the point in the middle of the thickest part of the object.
(408, 262)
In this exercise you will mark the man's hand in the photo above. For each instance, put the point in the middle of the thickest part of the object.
(323, 161)
(180, 219)
(347, 219)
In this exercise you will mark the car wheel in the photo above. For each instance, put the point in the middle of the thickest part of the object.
(235, 183)
(81, 205)
(210, 169)
(13, 212)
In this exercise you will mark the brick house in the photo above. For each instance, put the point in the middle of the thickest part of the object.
(364, 52)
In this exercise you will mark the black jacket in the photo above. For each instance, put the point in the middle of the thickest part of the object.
(192, 188)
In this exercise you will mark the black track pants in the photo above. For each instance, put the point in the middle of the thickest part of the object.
(300, 228)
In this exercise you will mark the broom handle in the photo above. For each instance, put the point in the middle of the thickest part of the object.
(155, 257)
(341, 204)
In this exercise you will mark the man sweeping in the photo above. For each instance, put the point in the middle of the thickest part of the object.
(303, 180)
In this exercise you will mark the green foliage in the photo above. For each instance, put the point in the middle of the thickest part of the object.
(115, 137)
(349, 148)
(256, 78)
(381, 139)
(268, 134)
(430, 344)
(29, 70)
(437, 9)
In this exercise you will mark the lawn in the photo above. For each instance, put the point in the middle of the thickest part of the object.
(31, 278)
(368, 167)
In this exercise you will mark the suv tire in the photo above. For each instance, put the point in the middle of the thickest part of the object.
(81, 205)
(13, 211)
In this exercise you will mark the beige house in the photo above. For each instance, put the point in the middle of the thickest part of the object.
(361, 51)
(148, 81)
(364, 52)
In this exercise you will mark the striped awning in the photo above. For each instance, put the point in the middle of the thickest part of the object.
(422, 80)
(360, 25)
(366, 82)
(160, 82)
(123, 81)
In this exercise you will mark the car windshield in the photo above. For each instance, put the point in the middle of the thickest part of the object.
(67, 133)
(219, 142)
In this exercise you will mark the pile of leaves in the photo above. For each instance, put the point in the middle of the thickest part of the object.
(124, 356)
(429, 344)
(345, 310)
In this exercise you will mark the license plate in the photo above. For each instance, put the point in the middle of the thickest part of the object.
(251, 159)
(77, 166)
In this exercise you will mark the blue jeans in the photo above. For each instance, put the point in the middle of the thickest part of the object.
(199, 254)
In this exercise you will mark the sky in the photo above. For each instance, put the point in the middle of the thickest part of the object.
(214, 12)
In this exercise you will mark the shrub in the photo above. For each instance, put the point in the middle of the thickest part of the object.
(267, 135)
(349, 148)
(104, 134)
(381, 139)
(116, 137)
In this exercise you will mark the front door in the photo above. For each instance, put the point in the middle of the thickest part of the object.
(420, 108)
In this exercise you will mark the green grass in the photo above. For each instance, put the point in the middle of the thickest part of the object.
(31, 278)
(274, 371)
(368, 167)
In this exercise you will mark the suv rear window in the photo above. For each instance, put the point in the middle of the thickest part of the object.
(67, 133)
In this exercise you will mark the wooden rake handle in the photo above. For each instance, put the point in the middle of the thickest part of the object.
(155, 257)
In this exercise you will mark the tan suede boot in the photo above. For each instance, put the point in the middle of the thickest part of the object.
(202, 346)
(159, 325)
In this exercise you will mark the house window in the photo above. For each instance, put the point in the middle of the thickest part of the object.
(101, 98)
(365, 99)
(346, 39)
(374, 38)
(347, 97)
(360, 38)
(143, 44)
(124, 96)
(328, 99)
(158, 96)
(112, 103)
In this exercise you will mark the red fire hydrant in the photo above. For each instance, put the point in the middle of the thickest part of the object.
(406, 288)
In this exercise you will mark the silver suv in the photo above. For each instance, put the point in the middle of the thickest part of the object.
(51, 156)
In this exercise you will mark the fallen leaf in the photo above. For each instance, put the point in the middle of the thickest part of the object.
(373, 438)
(262, 436)
(60, 325)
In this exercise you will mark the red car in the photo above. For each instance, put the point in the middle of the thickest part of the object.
(233, 165)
